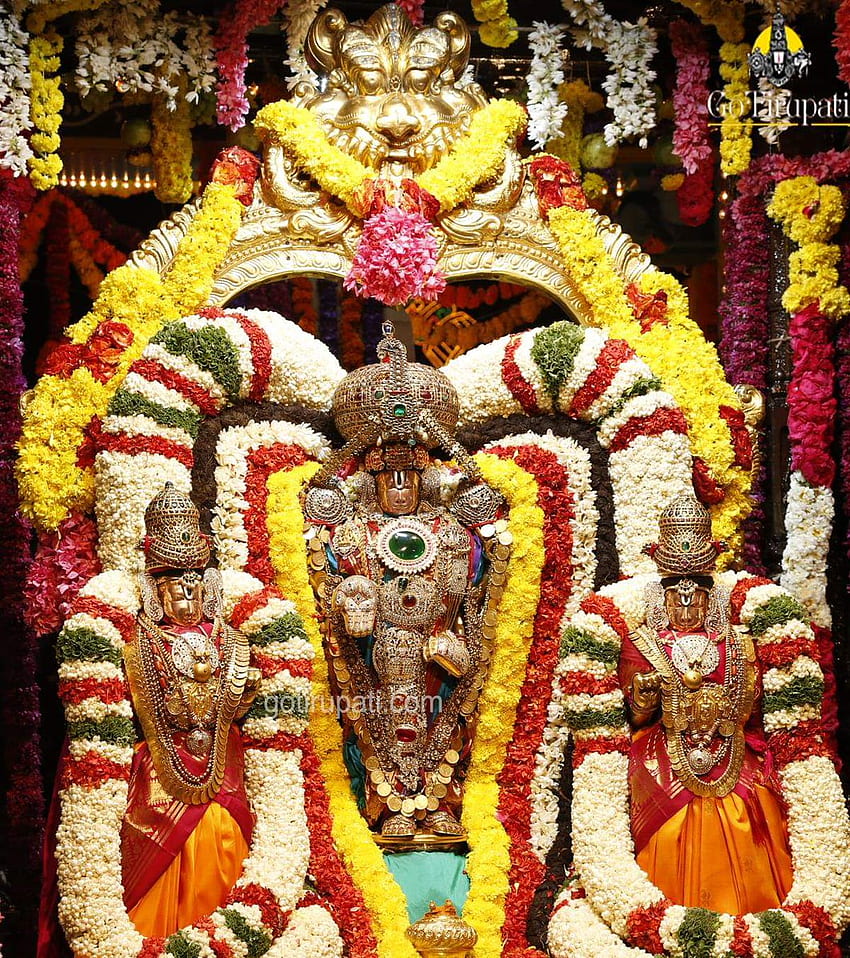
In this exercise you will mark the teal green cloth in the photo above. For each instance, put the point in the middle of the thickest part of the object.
(429, 876)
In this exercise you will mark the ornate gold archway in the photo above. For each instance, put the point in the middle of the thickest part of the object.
(294, 228)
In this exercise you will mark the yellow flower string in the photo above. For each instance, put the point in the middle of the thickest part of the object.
(810, 215)
(676, 352)
(46, 101)
(362, 857)
(475, 158)
(497, 28)
(91, 275)
(50, 482)
(488, 864)
(43, 13)
(171, 147)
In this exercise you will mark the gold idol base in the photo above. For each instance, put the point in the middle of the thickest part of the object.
(421, 842)
(442, 934)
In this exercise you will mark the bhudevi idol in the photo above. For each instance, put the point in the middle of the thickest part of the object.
(408, 559)
(707, 820)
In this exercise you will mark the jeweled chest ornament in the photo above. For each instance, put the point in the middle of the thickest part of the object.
(407, 545)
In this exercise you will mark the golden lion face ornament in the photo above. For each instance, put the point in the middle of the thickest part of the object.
(394, 97)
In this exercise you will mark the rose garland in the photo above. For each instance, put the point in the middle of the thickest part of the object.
(638, 921)
(653, 318)
(841, 40)
(232, 47)
(546, 111)
(94, 780)
(15, 86)
(810, 214)
(691, 144)
(396, 256)
(23, 805)
(54, 479)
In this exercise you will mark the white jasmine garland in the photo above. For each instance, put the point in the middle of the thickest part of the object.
(629, 48)
(136, 48)
(546, 112)
(585, 362)
(480, 387)
(645, 476)
(15, 88)
(125, 485)
(809, 516)
(531, 371)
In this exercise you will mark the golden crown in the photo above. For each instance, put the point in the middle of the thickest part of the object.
(173, 537)
(685, 545)
(395, 401)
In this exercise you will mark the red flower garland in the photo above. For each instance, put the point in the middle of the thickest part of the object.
(811, 401)
(520, 388)
(555, 498)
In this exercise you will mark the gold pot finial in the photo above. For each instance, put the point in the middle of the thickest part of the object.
(442, 933)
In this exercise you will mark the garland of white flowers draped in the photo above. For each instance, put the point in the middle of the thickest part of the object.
(14, 93)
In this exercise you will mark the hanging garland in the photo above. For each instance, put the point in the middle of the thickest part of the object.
(695, 195)
(15, 85)
(496, 27)
(810, 214)
(23, 806)
(46, 102)
(546, 110)
(232, 47)
(171, 147)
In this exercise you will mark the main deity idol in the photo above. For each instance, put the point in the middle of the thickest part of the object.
(188, 822)
(408, 559)
(707, 821)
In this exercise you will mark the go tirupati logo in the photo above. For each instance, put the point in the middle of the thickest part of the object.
(778, 57)
(778, 54)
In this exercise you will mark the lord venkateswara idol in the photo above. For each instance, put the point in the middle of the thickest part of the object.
(407, 557)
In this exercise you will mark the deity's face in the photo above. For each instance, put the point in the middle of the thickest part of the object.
(686, 612)
(181, 593)
(398, 491)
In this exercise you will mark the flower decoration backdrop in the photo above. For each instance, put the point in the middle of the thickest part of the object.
(587, 430)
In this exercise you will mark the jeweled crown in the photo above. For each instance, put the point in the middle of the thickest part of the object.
(173, 537)
(395, 401)
(685, 545)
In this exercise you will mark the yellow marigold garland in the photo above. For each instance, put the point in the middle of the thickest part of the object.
(475, 158)
(488, 864)
(489, 859)
(46, 101)
(171, 147)
(50, 482)
(736, 140)
(352, 837)
(677, 352)
(496, 27)
(809, 215)
(478, 156)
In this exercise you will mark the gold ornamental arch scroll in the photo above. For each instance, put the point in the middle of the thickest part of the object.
(395, 97)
